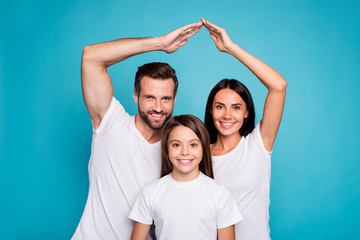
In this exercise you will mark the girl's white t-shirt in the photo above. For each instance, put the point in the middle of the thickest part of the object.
(246, 172)
(186, 210)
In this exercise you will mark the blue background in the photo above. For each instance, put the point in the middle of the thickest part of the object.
(45, 130)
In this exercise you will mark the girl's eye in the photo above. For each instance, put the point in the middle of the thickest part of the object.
(175, 145)
(194, 145)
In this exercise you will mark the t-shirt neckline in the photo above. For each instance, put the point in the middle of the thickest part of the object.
(187, 184)
(140, 135)
(232, 151)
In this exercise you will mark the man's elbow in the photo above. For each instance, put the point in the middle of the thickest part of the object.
(87, 55)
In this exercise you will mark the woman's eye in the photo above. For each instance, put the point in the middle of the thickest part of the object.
(219, 107)
(237, 108)
(175, 145)
(194, 145)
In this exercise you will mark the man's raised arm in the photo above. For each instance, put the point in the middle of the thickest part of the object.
(96, 83)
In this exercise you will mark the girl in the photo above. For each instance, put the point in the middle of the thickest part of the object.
(241, 154)
(185, 203)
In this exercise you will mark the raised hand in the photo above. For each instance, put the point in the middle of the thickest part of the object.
(172, 41)
(219, 36)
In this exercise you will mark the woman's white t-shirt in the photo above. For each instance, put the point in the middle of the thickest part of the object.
(246, 172)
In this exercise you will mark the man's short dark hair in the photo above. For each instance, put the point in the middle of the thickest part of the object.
(156, 70)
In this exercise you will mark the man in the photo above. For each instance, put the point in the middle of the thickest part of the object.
(125, 150)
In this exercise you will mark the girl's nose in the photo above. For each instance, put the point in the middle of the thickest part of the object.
(184, 151)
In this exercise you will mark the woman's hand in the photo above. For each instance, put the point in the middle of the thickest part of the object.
(219, 36)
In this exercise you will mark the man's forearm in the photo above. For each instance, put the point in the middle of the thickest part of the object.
(108, 53)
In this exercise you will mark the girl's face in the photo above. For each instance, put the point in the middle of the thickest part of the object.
(185, 153)
(228, 111)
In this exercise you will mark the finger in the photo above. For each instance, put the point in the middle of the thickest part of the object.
(208, 26)
(191, 30)
(192, 33)
(213, 37)
(192, 26)
(212, 25)
(212, 30)
(183, 43)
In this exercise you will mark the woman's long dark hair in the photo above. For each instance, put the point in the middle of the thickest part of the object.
(199, 129)
(244, 93)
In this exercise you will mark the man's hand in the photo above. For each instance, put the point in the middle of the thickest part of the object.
(219, 36)
(172, 41)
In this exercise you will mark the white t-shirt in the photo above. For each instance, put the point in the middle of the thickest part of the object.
(246, 171)
(186, 210)
(122, 162)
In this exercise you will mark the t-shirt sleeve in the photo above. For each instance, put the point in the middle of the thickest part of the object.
(257, 139)
(227, 212)
(114, 115)
(141, 211)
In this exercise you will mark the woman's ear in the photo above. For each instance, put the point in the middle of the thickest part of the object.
(246, 114)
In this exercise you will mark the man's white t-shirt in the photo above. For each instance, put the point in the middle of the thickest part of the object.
(246, 172)
(186, 210)
(122, 162)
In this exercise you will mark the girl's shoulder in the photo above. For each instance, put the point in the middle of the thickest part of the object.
(213, 184)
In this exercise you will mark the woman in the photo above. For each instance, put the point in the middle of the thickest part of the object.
(241, 154)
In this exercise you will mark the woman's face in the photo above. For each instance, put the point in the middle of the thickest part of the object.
(228, 111)
(185, 153)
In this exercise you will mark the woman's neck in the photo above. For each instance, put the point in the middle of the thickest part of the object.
(225, 144)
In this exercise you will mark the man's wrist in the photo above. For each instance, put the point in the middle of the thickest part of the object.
(152, 44)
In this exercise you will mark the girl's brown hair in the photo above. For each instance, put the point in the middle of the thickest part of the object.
(199, 129)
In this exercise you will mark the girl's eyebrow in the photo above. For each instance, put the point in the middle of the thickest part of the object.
(176, 140)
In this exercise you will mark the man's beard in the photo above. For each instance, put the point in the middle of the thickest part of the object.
(151, 123)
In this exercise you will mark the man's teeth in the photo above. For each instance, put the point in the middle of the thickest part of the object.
(156, 115)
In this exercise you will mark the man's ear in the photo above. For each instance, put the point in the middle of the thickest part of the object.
(174, 99)
(136, 97)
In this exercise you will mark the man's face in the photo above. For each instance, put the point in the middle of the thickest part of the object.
(155, 101)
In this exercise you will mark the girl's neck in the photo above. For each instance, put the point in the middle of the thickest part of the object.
(184, 177)
(225, 144)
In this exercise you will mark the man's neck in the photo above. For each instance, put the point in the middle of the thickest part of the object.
(150, 135)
